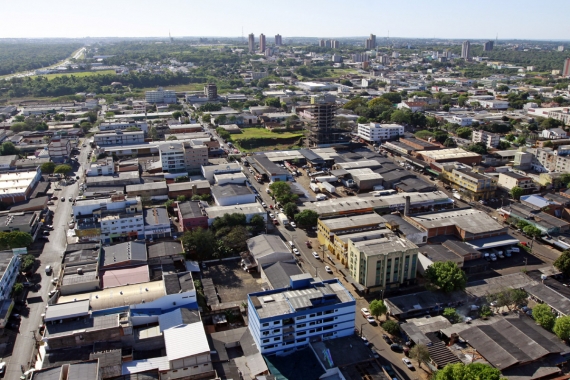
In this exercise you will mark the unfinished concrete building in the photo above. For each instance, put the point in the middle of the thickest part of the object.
(322, 126)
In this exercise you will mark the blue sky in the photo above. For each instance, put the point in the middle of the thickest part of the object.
(520, 19)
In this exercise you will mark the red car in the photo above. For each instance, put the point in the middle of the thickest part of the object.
(271, 207)
(524, 243)
(308, 244)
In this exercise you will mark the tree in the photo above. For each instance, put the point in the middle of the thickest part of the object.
(544, 316)
(236, 239)
(400, 117)
(27, 262)
(562, 327)
(257, 222)
(503, 145)
(518, 296)
(18, 288)
(460, 371)
(307, 218)
(510, 137)
(532, 231)
(62, 169)
(419, 353)
(565, 179)
(8, 149)
(177, 114)
(464, 132)
(47, 167)
(201, 243)
(377, 308)
(392, 97)
(516, 192)
(181, 198)
(290, 210)
(273, 102)
(446, 275)
(451, 314)
(479, 148)
(563, 262)
(449, 142)
(15, 239)
(485, 312)
(391, 327)
(548, 144)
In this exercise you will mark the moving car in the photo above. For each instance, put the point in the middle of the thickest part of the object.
(316, 255)
(408, 363)
(48, 269)
(396, 347)
(328, 269)
(70, 199)
(296, 252)
(308, 243)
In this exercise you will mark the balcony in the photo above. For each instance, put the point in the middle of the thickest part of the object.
(288, 329)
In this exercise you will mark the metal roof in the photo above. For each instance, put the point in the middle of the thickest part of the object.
(67, 310)
(138, 366)
(186, 341)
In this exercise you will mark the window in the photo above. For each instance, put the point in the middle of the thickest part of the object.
(276, 331)
(265, 341)
(265, 324)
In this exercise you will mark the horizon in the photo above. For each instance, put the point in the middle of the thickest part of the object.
(439, 19)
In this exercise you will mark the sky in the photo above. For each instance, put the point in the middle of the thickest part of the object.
(456, 19)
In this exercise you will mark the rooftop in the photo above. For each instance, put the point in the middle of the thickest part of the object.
(446, 154)
(95, 323)
(351, 222)
(177, 341)
(66, 310)
(124, 276)
(16, 182)
(178, 282)
(155, 216)
(165, 248)
(230, 190)
(131, 251)
(147, 186)
(190, 209)
(514, 175)
(383, 246)
(177, 317)
(470, 220)
(248, 208)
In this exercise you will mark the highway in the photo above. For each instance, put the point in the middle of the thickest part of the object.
(65, 62)
(37, 298)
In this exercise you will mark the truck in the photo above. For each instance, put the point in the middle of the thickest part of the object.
(326, 178)
(283, 219)
(328, 187)
(314, 187)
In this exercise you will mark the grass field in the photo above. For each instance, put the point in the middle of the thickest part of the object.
(80, 74)
(261, 139)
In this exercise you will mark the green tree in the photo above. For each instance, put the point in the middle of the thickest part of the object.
(532, 231)
(47, 167)
(27, 262)
(464, 132)
(516, 192)
(451, 314)
(563, 262)
(391, 327)
(15, 239)
(181, 198)
(290, 210)
(392, 97)
(17, 289)
(200, 243)
(544, 316)
(562, 327)
(400, 117)
(273, 102)
(565, 179)
(503, 145)
(172, 137)
(473, 371)
(419, 353)
(548, 144)
(510, 137)
(377, 308)
(479, 148)
(485, 312)
(446, 275)
(257, 223)
(307, 218)
(8, 149)
(62, 169)
(449, 142)
(177, 114)
(236, 239)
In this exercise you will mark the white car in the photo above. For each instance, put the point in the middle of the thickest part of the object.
(328, 269)
(263, 204)
(292, 224)
(371, 320)
(316, 255)
(271, 216)
(365, 312)
(296, 252)
(408, 363)
(2, 368)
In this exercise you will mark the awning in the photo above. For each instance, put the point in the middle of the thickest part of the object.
(492, 242)
(349, 278)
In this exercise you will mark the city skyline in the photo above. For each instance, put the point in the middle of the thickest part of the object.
(410, 19)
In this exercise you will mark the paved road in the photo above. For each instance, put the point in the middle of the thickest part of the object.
(65, 62)
(37, 298)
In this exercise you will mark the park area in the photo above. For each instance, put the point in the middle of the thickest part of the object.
(262, 139)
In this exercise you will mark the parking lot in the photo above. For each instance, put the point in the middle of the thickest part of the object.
(232, 282)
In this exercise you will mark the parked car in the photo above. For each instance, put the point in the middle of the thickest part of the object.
(365, 312)
(271, 215)
(263, 205)
(292, 224)
(62, 199)
(296, 252)
(2, 368)
(308, 243)
(396, 347)
(408, 363)
(328, 269)
(387, 339)
(316, 255)
(371, 320)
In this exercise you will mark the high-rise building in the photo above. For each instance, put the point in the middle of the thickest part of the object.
(322, 43)
(566, 69)
(466, 50)
(278, 40)
(262, 43)
(488, 45)
(211, 91)
(561, 48)
(322, 125)
(335, 44)
(251, 42)
(372, 41)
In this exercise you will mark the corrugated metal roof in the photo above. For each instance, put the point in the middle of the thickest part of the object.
(67, 310)
(185, 341)
(137, 366)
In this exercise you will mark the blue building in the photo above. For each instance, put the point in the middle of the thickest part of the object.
(309, 310)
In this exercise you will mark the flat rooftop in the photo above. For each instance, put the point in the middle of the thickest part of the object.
(230, 190)
(384, 246)
(248, 208)
(470, 220)
(348, 222)
(16, 182)
(95, 323)
(447, 154)
(124, 276)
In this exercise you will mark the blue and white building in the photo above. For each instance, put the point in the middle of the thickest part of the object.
(309, 310)
(9, 269)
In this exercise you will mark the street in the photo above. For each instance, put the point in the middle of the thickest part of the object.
(37, 297)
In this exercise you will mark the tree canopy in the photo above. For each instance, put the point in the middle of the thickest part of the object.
(377, 308)
(15, 239)
(544, 316)
(419, 353)
(307, 218)
(62, 169)
(447, 276)
(562, 327)
(563, 262)
(460, 371)
(47, 167)
(391, 327)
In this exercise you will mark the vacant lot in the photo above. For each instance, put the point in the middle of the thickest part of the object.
(232, 282)
(79, 74)
(263, 139)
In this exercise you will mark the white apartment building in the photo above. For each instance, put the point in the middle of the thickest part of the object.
(105, 166)
(376, 132)
(10, 266)
(554, 134)
(172, 158)
(113, 126)
(118, 137)
(122, 225)
(463, 121)
(494, 104)
(491, 140)
(59, 150)
(160, 96)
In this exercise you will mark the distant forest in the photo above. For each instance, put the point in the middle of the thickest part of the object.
(30, 56)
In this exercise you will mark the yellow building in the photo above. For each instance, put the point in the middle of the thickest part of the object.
(472, 185)
(383, 263)
(341, 241)
(328, 228)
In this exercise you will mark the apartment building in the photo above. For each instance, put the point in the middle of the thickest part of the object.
(105, 166)
(160, 96)
(491, 140)
(472, 185)
(9, 270)
(376, 132)
(118, 137)
(183, 157)
(328, 228)
(59, 150)
(384, 263)
(284, 320)
(113, 126)
(508, 180)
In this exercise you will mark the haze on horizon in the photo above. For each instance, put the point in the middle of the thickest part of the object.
(511, 19)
